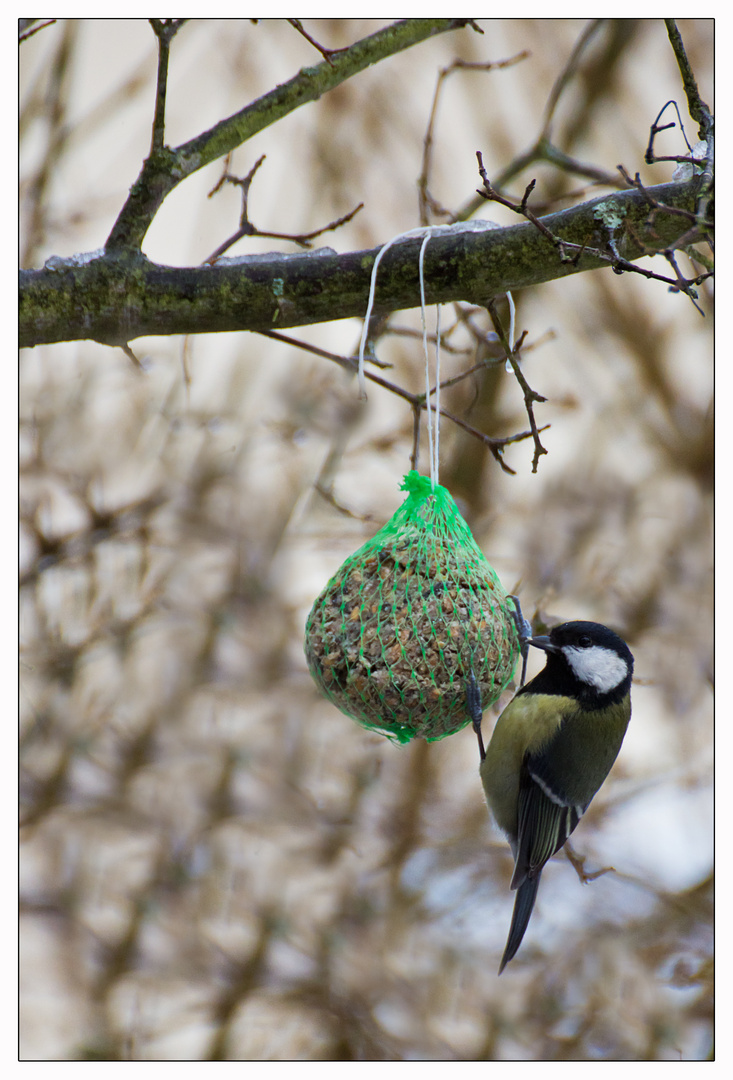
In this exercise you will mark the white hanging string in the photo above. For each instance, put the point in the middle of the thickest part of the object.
(430, 230)
(433, 411)
(437, 392)
(433, 439)
(426, 232)
(420, 264)
(512, 318)
(370, 305)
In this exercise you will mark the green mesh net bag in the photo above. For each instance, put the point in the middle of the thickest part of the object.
(395, 635)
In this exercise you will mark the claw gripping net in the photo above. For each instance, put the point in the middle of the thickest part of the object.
(396, 634)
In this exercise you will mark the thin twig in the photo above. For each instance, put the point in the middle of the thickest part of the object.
(131, 356)
(325, 53)
(650, 157)
(699, 111)
(578, 864)
(426, 200)
(699, 225)
(246, 228)
(165, 30)
(530, 396)
(543, 149)
(445, 345)
(35, 26)
(619, 264)
(417, 401)
(684, 283)
(330, 498)
(522, 208)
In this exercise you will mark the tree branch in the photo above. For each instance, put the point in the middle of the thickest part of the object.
(699, 111)
(113, 301)
(351, 363)
(165, 30)
(166, 167)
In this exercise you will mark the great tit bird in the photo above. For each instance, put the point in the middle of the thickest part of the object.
(552, 748)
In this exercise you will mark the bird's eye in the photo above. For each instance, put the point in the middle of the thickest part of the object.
(584, 641)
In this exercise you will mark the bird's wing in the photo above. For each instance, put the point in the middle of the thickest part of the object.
(546, 815)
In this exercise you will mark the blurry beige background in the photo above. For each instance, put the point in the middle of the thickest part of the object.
(214, 861)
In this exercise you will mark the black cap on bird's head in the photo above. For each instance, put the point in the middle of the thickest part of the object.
(586, 660)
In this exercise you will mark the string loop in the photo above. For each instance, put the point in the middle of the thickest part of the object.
(426, 231)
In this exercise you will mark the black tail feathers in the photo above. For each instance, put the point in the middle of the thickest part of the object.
(523, 905)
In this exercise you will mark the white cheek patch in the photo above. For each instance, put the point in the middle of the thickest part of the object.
(602, 668)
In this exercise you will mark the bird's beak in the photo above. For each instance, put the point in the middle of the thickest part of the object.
(542, 641)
